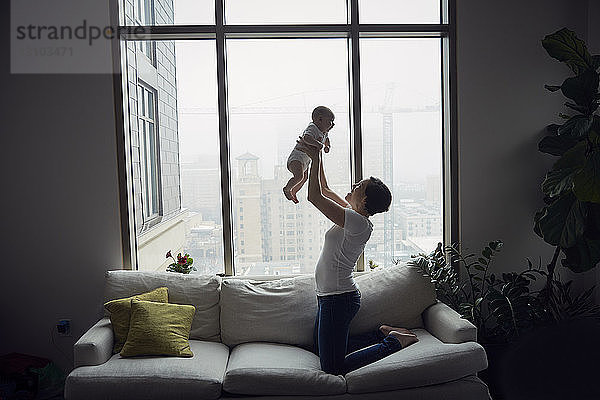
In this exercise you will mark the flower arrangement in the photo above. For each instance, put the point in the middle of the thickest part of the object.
(183, 264)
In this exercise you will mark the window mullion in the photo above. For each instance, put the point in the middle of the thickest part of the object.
(224, 140)
(355, 107)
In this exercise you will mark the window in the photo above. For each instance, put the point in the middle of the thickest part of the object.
(214, 106)
(143, 16)
(148, 152)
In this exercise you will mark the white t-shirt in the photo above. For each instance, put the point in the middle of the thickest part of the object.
(341, 249)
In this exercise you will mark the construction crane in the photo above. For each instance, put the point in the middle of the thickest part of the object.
(388, 170)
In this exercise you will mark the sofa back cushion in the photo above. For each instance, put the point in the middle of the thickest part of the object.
(201, 291)
(284, 310)
(279, 311)
(395, 296)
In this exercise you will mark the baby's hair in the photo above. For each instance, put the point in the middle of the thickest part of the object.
(321, 111)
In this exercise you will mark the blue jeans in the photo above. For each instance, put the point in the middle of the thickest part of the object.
(338, 352)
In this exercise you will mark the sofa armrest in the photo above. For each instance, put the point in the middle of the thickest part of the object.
(95, 346)
(447, 325)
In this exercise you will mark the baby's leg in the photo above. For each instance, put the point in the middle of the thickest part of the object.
(295, 167)
(299, 185)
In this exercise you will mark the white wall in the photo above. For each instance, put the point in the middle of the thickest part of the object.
(60, 216)
(503, 110)
(60, 213)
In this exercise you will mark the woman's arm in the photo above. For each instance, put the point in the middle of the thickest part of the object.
(329, 208)
(327, 192)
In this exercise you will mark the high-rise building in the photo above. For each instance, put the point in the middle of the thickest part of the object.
(434, 189)
(154, 141)
(247, 211)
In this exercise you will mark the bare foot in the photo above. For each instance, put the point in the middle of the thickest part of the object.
(289, 195)
(294, 197)
(405, 339)
(386, 329)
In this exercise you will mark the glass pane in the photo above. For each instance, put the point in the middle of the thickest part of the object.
(150, 105)
(285, 12)
(187, 193)
(142, 101)
(153, 163)
(168, 12)
(273, 88)
(399, 11)
(402, 143)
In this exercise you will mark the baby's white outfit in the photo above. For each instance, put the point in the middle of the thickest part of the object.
(299, 155)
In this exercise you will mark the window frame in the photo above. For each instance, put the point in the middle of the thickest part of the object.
(149, 212)
(353, 31)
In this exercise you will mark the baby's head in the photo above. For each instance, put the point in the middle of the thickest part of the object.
(323, 118)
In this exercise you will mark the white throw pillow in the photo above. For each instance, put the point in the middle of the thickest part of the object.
(279, 311)
(395, 296)
(201, 291)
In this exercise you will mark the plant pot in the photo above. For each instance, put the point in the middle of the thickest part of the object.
(550, 362)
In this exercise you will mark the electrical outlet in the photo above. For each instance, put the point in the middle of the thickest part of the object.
(63, 327)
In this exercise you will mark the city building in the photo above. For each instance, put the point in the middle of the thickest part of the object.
(153, 137)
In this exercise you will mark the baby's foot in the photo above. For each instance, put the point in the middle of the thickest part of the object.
(294, 197)
(386, 329)
(288, 195)
(405, 339)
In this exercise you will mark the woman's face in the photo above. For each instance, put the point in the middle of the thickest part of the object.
(356, 197)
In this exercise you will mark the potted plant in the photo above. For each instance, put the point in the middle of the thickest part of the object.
(570, 218)
(506, 309)
(183, 264)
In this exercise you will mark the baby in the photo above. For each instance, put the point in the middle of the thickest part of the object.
(298, 161)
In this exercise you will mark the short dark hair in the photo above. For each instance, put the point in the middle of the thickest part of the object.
(378, 196)
(322, 110)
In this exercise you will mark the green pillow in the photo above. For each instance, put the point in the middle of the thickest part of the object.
(159, 329)
(120, 313)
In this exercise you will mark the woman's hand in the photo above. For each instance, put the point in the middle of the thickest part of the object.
(310, 146)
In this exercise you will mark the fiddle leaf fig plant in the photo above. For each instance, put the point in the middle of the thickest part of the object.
(570, 219)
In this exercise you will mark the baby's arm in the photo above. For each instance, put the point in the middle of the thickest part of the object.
(327, 145)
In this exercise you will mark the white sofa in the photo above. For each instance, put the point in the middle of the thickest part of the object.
(253, 339)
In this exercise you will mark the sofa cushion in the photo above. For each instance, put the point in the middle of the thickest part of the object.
(120, 313)
(159, 329)
(199, 377)
(280, 311)
(427, 362)
(395, 296)
(278, 369)
(201, 291)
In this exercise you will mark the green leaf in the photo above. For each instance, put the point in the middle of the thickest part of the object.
(577, 126)
(596, 61)
(558, 181)
(563, 221)
(557, 145)
(582, 257)
(581, 109)
(487, 253)
(482, 261)
(536, 221)
(581, 88)
(553, 128)
(552, 88)
(573, 158)
(496, 245)
(587, 180)
(479, 267)
(565, 46)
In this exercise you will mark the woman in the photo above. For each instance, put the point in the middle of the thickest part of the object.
(337, 293)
